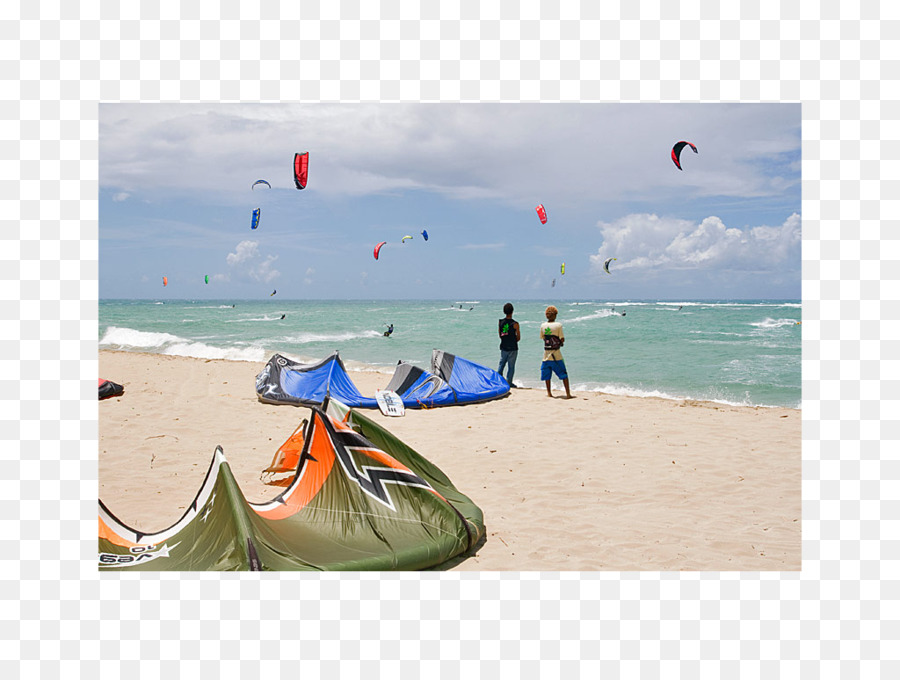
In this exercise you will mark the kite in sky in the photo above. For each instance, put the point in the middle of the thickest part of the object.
(606, 264)
(676, 152)
(301, 169)
(378, 248)
(260, 181)
(425, 234)
(254, 221)
(542, 213)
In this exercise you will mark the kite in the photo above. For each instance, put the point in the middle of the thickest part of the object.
(108, 388)
(260, 181)
(254, 221)
(272, 293)
(403, 240)
(301, 168)
(165, 281)
(378, 248)
(676, 152)
(206, 279)
(553, 283)
(425, 234)
(606, 264)
(452, 380)
(356, 498)
(562, 269)
(542, 213)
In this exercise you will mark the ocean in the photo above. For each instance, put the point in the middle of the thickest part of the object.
(742, 352)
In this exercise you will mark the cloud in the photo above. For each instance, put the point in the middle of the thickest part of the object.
(644, 241)
(460, 151)
(248, 263)
(121, 196)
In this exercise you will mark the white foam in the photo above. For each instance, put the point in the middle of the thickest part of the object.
(306, 338)
(625, 391)
(774, 323)
(200, 350)
(629, 304)
(599, 314)
(253, 318)
(128, 337)
(166, 343)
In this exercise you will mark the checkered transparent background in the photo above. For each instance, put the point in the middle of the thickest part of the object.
(838, 618)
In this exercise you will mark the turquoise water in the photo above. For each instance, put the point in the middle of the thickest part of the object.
(737, 352)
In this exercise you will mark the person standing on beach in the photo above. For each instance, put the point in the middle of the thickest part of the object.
(509, 343)
(552, 335)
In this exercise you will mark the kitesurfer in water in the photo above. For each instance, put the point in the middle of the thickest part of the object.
(553, 337)
(509, 343)
(390, 330)
(282, 316)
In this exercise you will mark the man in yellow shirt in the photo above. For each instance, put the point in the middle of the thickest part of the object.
(552, 335)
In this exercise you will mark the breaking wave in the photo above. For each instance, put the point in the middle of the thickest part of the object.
(599, 314)
(131, 340)
(774, 323)
(306, 338)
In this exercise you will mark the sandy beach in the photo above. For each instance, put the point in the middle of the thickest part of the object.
(597, 482)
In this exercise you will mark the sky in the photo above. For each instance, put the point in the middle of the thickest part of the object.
(176, 200)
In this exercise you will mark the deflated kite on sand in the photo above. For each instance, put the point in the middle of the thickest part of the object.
(452, 381)
(358, 499)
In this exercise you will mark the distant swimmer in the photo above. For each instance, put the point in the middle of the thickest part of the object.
(390, 330)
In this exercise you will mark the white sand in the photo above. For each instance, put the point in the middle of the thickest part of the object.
(598, 482)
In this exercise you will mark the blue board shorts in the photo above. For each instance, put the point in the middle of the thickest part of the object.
(558, 367)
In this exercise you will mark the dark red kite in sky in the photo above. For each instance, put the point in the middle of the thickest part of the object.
(676, 152)
(301, 167)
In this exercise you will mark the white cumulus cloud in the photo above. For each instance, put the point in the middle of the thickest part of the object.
(642, 241)
(247, 262)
